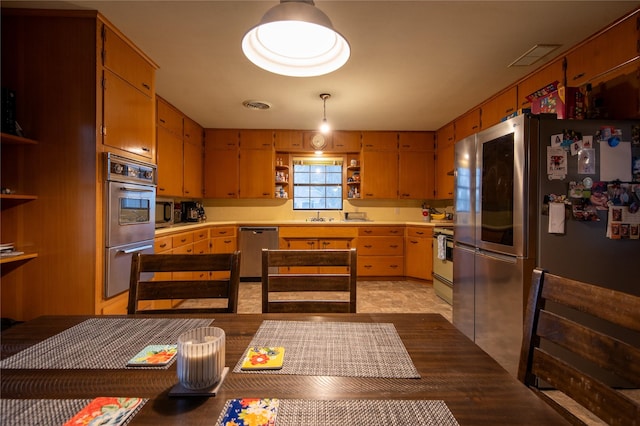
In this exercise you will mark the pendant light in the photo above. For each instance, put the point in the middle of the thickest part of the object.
(324, 125)
(296, 39)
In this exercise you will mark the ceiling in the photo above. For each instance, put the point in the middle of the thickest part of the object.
(415, 65)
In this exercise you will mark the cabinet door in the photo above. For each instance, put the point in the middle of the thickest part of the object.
(444, 172)
(467, 124)
(419, 253)
(288, 140)
(256, 139)
(416, 175)
(416, 141)
(379, 176)
(128, 117)
(257, 173)
(170, 118)
(604, 52)
(494, 110)
(119, 57)
(193, 160)
(170, 154)
(379, 141)
(344, 141)
(446, 135)
(541, 78)
(221, 172)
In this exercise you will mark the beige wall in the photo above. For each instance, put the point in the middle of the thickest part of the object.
(282, 210)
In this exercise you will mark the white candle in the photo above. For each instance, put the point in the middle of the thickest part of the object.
(201, 357)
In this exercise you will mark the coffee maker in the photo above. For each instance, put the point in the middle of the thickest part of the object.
(190, 211)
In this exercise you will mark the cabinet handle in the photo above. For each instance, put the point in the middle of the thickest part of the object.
(575, 77)
(393, 246)
(369, 194)
(413, 242)
(368, 246)
(393, 231)
(509, 110)
(368, 266)
(222, 232)
(146, 86)
(393, 266)
(368, 231)
(163, 245)
(227, 241)
(419, 232)
(145, 149)
(161, 120)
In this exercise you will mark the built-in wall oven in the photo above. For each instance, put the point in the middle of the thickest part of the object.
(129, 217)
(443, 263)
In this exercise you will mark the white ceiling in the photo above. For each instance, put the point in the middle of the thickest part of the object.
(415, 65)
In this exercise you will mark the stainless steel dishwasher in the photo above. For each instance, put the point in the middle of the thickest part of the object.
(252, 241)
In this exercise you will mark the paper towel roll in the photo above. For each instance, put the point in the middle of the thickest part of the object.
(556, 218)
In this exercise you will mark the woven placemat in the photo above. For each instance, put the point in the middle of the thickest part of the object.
(364, 412)
(348, 349)
(44, 412)
(102, 343)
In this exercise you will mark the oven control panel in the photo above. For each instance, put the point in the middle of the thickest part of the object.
(128, 170)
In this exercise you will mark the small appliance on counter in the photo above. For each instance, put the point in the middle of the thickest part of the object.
(190, 211)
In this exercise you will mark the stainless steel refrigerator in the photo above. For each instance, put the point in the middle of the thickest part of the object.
(501, 228)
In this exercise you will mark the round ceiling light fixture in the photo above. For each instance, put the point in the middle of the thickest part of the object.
(296, 39)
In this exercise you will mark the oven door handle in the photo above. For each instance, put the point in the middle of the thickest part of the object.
(133, 250)
(125, 189)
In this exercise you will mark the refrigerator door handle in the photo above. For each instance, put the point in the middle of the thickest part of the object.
(497, 256)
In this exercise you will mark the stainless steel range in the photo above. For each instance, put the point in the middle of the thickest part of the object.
(443, 263)
(129, 217)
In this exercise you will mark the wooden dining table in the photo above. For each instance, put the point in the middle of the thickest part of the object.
(452, 368)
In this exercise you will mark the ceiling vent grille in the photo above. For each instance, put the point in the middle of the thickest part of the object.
(257, 105)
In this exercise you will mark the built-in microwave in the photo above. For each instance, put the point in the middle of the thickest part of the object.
(164, 212)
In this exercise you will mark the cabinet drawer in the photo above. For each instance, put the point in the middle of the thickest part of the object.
(224, 244)
(201, 234)
(380, 231)
(161, 244)
(419, 232)
(201, 247)
(182, 239)
(184, 249)
(380, 266)
(227, 231)
(381, 246)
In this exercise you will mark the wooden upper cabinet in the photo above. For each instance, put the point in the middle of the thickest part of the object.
(379, 141)
(554, 71)
(193, 159)
(379, 174)
(228, 139)
(256, 173)
(121, 58)
(128, 117)
(468, 124)
(221, 165)
(446, 135)
(170, 166)
(170, 118)
(416, 141)
(288, 140)
(256, 139)
(497, 108)
(606, 51)
(346, 141)
(444, 172)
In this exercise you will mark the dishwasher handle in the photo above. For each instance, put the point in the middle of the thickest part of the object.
(258, 230)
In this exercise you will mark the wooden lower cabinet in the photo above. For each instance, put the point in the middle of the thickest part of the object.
(380, 251)
(223, 240)
(418, 254)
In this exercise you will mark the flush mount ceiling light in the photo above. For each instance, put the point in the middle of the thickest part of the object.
(296, 39)
(324, 125)
(534, 54)
(257, 105)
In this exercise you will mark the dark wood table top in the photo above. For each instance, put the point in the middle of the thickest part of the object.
(476, 389)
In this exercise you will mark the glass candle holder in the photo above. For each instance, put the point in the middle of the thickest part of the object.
(201, 357)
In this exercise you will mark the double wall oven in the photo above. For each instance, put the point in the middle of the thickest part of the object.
(130, 192)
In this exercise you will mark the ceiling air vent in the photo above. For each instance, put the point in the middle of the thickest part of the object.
(259, 105)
